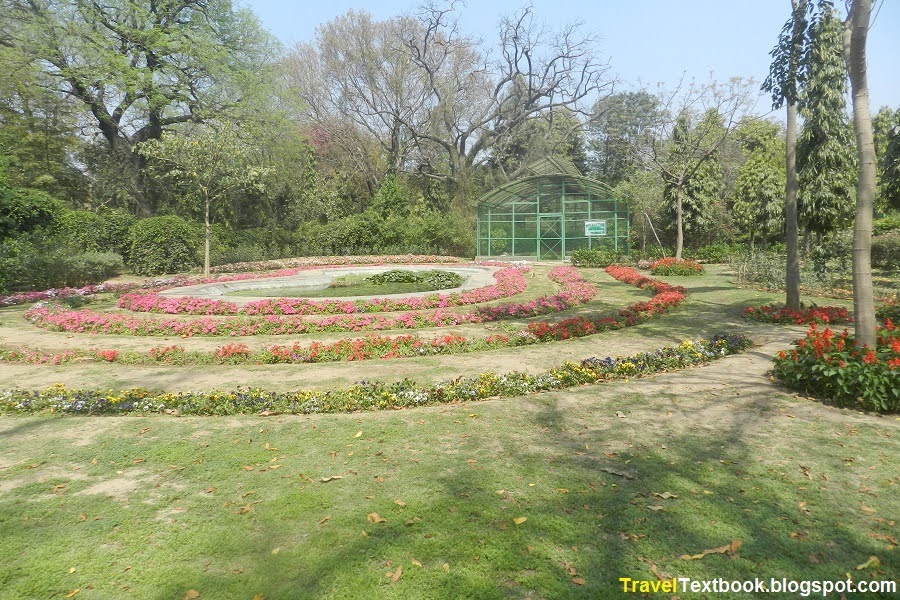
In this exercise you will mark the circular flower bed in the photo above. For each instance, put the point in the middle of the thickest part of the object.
(575, 290)
(400, 346)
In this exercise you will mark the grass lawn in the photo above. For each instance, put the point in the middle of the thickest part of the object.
(348, 285)
(613, 480)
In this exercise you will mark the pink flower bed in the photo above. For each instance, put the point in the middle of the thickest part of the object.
(575, 290)
(510, 281)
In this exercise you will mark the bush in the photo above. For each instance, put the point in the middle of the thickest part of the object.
(163, 245)
(889, 310)
(594, 258)
(38, 263)
(671, 266)
(437, 280)
(23, 211)
(835, 368)
(94, 267)
(886, 250)
(716, 253)
(886, 225)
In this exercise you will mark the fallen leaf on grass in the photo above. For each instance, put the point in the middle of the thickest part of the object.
(656, 507)
(358, 434)
(872, 562)
(395, 576)
(578, 581)
(665, 495)
(143, 431)
(805, 471)
(400, 503)
(248, 468)
(612, 471)
(446, 567)
(210, 490)
(324, 520)
(191, 594)
(259, 596)
(72, 593)
(331, 478)
(727, 549)
(374, 517)
(520, 520)
(417, 563)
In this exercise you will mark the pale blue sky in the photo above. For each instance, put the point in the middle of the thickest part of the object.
(646, 41)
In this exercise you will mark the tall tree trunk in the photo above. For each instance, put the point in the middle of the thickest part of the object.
(791, 234)
(855, 53)
(679, 222)
(206, 242)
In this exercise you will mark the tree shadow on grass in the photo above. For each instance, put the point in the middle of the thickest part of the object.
(604, 497)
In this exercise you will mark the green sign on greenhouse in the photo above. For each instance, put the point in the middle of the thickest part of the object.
(594, 228)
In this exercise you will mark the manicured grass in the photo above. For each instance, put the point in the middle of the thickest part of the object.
(154, 507)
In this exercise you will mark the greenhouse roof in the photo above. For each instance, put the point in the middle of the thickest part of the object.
(540, 173)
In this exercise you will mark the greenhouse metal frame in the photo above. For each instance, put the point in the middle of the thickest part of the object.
(548, 213)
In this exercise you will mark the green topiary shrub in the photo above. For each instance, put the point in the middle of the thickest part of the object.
(165, 244)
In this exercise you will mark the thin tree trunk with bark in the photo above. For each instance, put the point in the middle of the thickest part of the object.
(855, 53)
(206, 242)
(791, 234)
(679, 223)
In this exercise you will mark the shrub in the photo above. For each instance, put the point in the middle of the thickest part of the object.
(594, 258)
(33, 262)
(886, 250)
(162, 245)
(671, 266)
(438, 280)
(889, 310)
(886, 225)
(24, 210)
(716, 253)
(833, 367)
(94, 267)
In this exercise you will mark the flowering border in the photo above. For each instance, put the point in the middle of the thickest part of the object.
(822, 315)
(367, 395)
(575, 291)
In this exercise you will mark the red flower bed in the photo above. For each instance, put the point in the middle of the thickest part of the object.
(823, 315)
(834, 367)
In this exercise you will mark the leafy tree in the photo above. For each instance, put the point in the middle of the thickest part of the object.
(135, 68)
(886, 129)
(826, 160)
(209, 165)
(699, 192)
(785, 80)
(758, 206)
(677, 149)
(615, 126)
(553, 133)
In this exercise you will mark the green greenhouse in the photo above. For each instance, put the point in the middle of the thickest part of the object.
(547, 212)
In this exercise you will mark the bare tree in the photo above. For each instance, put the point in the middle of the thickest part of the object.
(476, 101)
(433, 99)
(856, 32)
